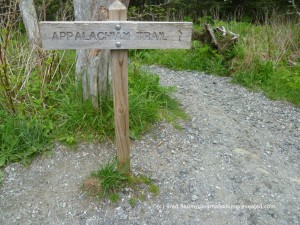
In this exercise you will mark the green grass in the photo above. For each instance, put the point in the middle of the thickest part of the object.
(199, 58)
(111, 179)
(154, 189)
(132, 202)
(277, 82)
(261, 60)
(114, 197)
(148, 103)
(108, 182)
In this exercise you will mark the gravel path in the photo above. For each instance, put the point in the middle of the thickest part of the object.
(236, 161)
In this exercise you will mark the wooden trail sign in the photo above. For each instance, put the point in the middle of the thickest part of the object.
(105, 35)
(117, 35)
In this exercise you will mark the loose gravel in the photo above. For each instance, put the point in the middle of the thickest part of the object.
(235, 161)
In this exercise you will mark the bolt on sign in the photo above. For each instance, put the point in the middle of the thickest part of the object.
(118, 35)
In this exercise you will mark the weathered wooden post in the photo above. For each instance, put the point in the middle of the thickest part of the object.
(117, 35)
(119, 58)
(30, 21)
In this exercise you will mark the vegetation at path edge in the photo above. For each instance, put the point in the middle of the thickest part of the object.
(266, 57)
(47, 104)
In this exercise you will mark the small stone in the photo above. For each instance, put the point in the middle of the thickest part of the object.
(231, 176)
(194, 198)
(173, 152)
(159, 150)
(184, 172)
(83, 196)
(201, 168)
(127, 206)
(241, 214)
(84, 154)
(217, 187)
(194, 126)
(227, 159)
(253, 219)
(271, 212)
(63, 204)
(238, 179)
(268, 152)
(192, 188)
(107, 222)
(119, 210)
(19, 216)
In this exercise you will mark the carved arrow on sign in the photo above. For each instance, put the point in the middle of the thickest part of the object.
(180, 33)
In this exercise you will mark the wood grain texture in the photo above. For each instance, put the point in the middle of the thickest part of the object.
(104, 35)
(92, 65)
(117, 11)
(30, 21)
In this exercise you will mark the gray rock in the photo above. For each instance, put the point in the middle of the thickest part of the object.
(231, 175)
(238, 179)
(121, 213)
(253, 219)
(271, 212)
(194, 198)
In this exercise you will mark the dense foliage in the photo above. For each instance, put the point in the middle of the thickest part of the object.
(254, 10)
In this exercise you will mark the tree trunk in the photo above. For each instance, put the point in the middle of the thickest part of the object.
(93, 66)
(32, 28)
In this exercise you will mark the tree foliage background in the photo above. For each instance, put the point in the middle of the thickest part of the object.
(254, 10)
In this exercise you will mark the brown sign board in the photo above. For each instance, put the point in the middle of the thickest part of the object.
(116, 35)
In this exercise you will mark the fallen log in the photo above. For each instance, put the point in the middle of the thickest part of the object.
(219, 38)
